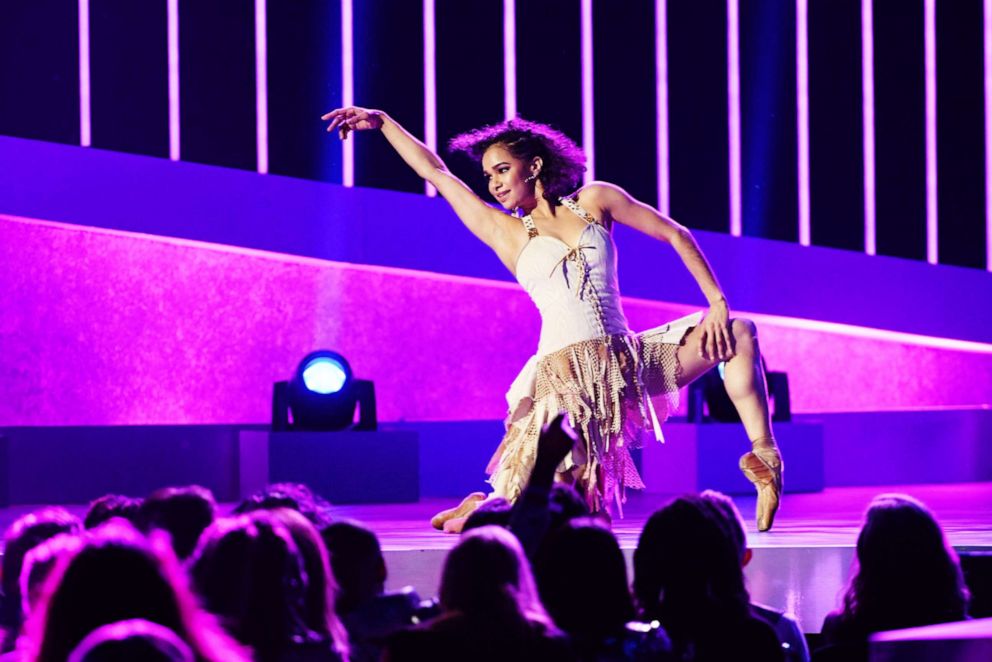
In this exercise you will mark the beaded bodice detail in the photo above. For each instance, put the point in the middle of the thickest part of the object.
(574, 288)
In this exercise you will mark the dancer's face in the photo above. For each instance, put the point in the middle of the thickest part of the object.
(506, 174)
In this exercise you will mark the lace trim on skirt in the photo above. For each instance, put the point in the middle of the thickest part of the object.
(604, 385)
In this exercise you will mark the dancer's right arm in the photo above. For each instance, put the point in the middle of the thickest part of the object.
(488, 224)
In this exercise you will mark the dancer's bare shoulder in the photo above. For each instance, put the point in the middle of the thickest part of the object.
(610, 203)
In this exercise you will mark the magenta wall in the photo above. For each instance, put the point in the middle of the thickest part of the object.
(106, 327)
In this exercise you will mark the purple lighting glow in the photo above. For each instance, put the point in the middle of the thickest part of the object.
(347, 89)
(261, 90)
(988, 131)
(930, 69)
(802, 112)
(430, 86)
(661, 89)
(509, 59)
(868, 120)
(172, 12)
(734, 114)
(85, 122)
(588, 125)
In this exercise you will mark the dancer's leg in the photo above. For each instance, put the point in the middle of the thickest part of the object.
(744, 379)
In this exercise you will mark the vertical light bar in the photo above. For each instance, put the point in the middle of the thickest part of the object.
(988, 132)
(347, 90)
(930, 73)
(661, 89)
(430, 86)
(802, 112)
(261, 89)
(588, 123)
(85, 122)
(509, 59)
(172, 13)
(734, 114)
(868, 119)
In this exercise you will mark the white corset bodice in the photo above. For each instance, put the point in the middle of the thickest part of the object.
(575, 289)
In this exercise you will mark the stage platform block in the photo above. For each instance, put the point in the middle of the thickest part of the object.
(74, 465)
(343, 467)
(705, 456)
(66, 465)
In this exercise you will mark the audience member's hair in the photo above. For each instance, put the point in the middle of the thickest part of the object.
(21, 537)
(249, 572)
(486, 575)
(582, 579)
(183, 512)
(491, 512)
(39, 564)
(730, 517)
(294, 496)
(110, 506)
(357, 563)
(688, 576)
(319, 614)
(117, 574)
(132, 641)
(565, 504)
(906, 574)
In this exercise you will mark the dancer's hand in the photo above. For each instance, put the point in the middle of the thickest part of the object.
(715, 341)
(353, 118)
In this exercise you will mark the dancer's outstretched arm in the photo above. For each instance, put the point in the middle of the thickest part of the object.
(485, 222)
(616, 204)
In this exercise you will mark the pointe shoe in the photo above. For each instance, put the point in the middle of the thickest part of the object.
(455, 524)
(763, 467)
(468, 504)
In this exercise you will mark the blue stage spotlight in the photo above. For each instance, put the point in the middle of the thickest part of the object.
(323, 395)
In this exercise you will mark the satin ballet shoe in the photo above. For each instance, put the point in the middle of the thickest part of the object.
(464, 509)
(763, 467)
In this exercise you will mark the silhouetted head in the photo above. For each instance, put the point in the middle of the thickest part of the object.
(110, 506)
(491, 512)
(117, 574)
(486, 576)
(132, 641)
(183, 512)
(22, 536)
(687, 568)
(249, 572)
(582, 578)
(294, 496)
(731, 518)
(39, 564)
(906, 573)
(321, 589)
(357, 563)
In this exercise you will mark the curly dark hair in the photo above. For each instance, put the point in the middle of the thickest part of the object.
(563, 160)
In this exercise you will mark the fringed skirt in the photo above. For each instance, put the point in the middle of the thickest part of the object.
(606, 385)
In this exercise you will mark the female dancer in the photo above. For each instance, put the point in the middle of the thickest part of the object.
(588, 363)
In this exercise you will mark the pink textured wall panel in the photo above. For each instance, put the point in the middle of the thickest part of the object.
(101, 327)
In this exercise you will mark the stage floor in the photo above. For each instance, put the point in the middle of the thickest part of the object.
(800, 566)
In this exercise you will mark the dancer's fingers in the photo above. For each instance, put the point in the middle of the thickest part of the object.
(728, 340)
(702, 343)
(711, 347)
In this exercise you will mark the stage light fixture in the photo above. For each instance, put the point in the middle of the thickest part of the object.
(322, 396)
